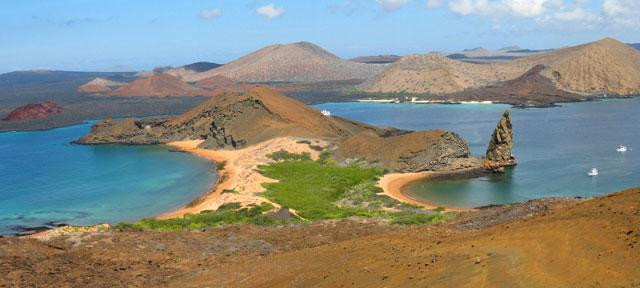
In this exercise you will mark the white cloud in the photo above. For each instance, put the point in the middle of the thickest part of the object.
(553, 14)
(392, 5)
(622, 12)
(210, 14)
(513, 8)
(270, 11)
(468, 7)
(432, 4)
(577, 14)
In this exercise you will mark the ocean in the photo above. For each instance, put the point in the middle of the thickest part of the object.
(45, 180)
(555, 147)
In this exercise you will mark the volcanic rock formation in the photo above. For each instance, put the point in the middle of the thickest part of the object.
(499, 152)
(236, 120)
(100, 85)
(436, 74)
(410, 152)
(160, 85)
(296, 62)
(33, 111)
(530, 89)
(605, 66)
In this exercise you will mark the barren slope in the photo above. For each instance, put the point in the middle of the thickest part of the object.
(562, 243)
(436, 74)
(296, 62)
(100, 85)
(160, 85)
(589, 244)
(605, 66)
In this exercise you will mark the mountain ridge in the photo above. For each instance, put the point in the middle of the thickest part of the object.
(294, 62)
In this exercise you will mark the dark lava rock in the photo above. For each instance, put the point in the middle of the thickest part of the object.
(236, 120)
(33, 111)
(499, 153)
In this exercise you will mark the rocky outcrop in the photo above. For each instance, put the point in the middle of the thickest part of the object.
(231, 120)
(236, 120)
(435, 150)
(499, 152)
(33, 111)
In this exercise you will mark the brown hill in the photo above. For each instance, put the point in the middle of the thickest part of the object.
(235, 120)
(33, 111)
(100, 85)
(437, 74)
(530, 89)
(605, 66)
(296, 62)
(230, 120)
(160, 85)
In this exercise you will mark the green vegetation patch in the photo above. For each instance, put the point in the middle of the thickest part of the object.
(284, 155)
(225, 215)
(317, 190)
(311, 187)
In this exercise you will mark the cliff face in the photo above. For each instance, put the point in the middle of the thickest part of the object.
(33, 111)
(499, 152)
(434, 150)
(236, 120)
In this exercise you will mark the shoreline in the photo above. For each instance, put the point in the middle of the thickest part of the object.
(394, 185)
(239, 175)
(222, 182)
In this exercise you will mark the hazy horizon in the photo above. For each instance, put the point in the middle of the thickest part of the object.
(124, 36)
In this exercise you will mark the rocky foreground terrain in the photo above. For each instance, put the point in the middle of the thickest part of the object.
(541, 243)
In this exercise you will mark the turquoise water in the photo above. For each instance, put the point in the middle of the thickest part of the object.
(555, 147)
(44, 178)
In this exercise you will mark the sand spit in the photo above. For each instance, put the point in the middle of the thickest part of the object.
(239, 173)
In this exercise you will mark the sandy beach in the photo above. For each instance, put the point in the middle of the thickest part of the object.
(239, 173)
(393, 185)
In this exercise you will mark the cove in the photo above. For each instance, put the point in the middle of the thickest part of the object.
(46, 180)
(555, 147)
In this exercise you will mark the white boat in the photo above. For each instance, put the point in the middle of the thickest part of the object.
(622, 148)
(593, 172)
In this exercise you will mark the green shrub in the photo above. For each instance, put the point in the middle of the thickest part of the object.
(225, 215)
(413, 218)
(283, 155)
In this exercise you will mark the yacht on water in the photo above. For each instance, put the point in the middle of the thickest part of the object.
(593, 172)
(622, 148)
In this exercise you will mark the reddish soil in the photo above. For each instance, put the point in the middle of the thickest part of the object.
(162, 85)
(541, 243)
(33, 111)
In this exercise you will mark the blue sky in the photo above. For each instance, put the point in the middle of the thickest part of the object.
(91, 35)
